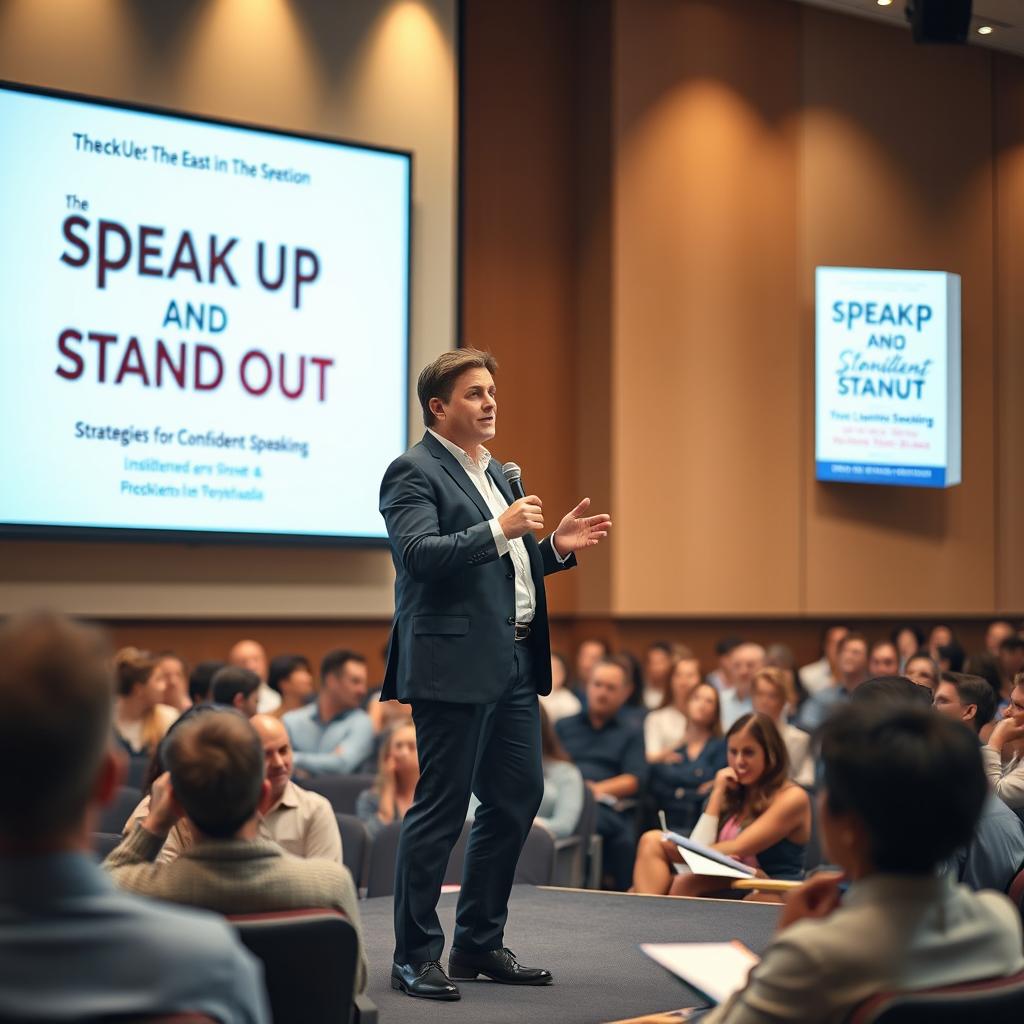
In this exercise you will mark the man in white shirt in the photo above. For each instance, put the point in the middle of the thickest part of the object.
(821, 674)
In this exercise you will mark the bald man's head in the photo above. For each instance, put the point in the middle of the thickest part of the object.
(277, 752)
(216, 763)
(250, 654)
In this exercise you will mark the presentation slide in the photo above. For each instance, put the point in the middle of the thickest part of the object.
(887, 371)
(205, 325)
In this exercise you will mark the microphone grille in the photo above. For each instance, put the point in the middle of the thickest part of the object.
(511, 471)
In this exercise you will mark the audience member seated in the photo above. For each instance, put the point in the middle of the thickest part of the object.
(908, 641)
(140, 716)
(903, 790)
(397, 774)
(216, 782)
(680, 783)
(665, 728)
(237, 688)
(940, 636)
(773, 696)
(951, 657)
(658, 664)
(1011, 664)
(333, 735)
(301, 822)
(721, 676)
(746, 661)
(996, 633)
(609, 752)
(70, 943)
(821, 674)
(754, 814)
(996, 852)
(175, 674)
(251, 655)
(291, 677)
(851, 671)
(561, 702)
(922, 670)
(1003, 754)
(780, 656)
(588, 654)
(884, 659)
(634, 710)
(200, 680)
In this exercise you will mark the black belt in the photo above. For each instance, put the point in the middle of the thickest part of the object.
(522, 631)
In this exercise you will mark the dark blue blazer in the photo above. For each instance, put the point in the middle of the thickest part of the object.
(453, 634)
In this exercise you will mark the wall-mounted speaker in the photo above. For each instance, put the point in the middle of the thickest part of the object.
(939, 21)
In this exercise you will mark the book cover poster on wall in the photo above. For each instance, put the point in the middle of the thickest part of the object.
(205, 324)
(887, 376)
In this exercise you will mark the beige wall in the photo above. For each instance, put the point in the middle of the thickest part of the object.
(379, 71)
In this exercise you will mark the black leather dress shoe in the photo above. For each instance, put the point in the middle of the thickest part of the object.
(498, 965)
(426, 980)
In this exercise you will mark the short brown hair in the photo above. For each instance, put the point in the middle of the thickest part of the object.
(217, 767)
(437, 379)
(132, 668)
(56, 705)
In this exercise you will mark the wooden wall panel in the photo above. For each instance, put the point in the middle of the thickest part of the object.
(706, 415)
(1008, 92)
(518, 253)
(896, 172)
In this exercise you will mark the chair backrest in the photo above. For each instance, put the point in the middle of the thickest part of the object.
(588, 816)
(354, 843)
(181, 1017)
(381, 860)
(104, 842)
(380, 875)
(309, 962)
(991, 1001)
(537, 861)
(341, 790)
(114, 816)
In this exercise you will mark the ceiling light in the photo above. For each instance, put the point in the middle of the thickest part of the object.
(984, 30)
(885, 3)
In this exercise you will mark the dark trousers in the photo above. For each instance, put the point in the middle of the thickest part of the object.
(618, 845)
(493, 751)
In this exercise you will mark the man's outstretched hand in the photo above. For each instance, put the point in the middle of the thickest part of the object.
(578, 531)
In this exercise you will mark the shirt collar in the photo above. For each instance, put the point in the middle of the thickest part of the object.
(888, 888)
(463, 458)
(289, 798)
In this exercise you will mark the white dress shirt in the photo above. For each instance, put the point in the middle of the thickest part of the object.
(476, 470)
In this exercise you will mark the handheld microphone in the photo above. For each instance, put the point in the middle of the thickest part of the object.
(514, 475)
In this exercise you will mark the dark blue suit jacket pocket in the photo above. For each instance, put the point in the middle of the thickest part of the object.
(440, 625)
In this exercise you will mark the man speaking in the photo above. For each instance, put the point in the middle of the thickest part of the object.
(470, 652)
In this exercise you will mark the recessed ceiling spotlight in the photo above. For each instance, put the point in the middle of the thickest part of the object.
(885, 3)
(984, 30)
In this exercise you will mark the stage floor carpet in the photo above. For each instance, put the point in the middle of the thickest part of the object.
(588, 940)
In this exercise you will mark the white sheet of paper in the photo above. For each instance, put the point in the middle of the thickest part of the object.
(718, 969)
(705, 866)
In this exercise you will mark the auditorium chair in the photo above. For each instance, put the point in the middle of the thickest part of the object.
(115, 814)
(572, 851)
(104, 842)
(537, 861)
(354, 842)
(309, 965)
(380, 876)
(341, 790)
(993, 1001)
(133, 1018)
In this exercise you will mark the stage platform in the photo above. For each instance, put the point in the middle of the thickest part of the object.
(588, 940)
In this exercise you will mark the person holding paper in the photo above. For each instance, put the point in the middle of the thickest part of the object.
(755, 815)
(900, 926)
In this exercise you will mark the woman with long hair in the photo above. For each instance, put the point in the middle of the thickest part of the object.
(680, 785)
(140, 716)
(664, 728)
(754, 814)
(398, 771)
